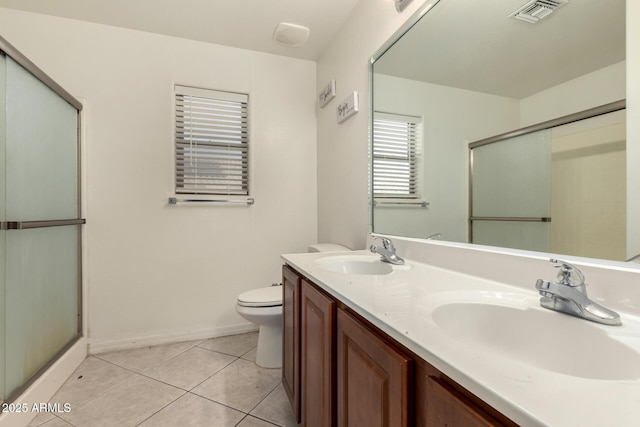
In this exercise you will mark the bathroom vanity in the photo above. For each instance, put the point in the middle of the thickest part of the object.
(378, 381)
(367, 343)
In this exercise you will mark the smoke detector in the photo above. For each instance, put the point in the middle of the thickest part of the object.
(535, 10)
(291, 34)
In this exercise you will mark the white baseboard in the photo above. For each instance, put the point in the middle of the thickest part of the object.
(43, 389)
(102, 346)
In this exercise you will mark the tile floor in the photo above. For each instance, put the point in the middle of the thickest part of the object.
(212, 382)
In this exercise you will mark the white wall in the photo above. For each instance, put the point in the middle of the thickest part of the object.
(588, 190)
(343, 212)
(591, 90)
(157, 272)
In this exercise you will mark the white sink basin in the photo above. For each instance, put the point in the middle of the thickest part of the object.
(511, 325)
(355, 264)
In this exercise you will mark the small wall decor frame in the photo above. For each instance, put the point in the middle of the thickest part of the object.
(327, 93)
(348, 107)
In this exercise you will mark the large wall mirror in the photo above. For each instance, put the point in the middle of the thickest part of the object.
(468, 140)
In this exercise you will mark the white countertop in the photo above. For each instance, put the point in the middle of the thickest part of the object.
(602, 388)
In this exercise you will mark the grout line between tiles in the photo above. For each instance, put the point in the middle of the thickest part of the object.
(189, 390)
(262, 400)
(261, 419)
(149, 367)
(174, 400)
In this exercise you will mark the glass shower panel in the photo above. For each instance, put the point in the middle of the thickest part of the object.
(42, 298)
(511, 192)
(41, 268)
(42, 132)
(511, 178)
(531, 236)
(2, 232)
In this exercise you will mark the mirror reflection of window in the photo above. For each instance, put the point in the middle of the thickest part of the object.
(396, 158)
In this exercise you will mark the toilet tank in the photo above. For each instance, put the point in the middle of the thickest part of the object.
(327, 247)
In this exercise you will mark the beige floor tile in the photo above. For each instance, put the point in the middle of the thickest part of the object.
(250, 355)
(125, 404)
(90, 379)
(276, 408)
(250, 421)
(235, 345)
(41, 418)
(56, 422)
(104, 390)
(241, 385)
(190, 368)
(143, 359)
(192, 410)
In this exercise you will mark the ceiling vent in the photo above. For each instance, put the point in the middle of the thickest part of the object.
(535, 10)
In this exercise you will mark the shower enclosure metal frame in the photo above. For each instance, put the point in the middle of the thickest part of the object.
(10, 51)
(581, 115)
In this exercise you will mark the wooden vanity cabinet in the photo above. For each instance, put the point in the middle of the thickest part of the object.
(373, 377)
(340, 370)
(291, 338)
(317, 326)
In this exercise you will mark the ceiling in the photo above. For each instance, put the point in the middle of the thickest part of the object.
(483, 50)
(245, 24)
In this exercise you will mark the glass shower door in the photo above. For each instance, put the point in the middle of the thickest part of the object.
(41, 221)
(511, 192)
(2, 227)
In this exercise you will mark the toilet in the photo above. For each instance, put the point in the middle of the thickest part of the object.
(263, 307)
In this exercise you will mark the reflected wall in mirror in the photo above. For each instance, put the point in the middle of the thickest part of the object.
(468, 75)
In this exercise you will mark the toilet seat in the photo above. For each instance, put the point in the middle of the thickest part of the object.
(271, 296)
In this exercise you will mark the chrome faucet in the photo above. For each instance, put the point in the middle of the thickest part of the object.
(569, 295)
(387, 251)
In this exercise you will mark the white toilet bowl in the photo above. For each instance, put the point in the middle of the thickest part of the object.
(263, 306)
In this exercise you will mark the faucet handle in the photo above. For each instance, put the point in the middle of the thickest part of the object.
(386, 243)
(567, 273)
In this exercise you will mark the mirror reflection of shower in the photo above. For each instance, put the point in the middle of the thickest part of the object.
(560, 190)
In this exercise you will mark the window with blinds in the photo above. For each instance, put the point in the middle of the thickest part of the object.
(396, 167)
(212, 142)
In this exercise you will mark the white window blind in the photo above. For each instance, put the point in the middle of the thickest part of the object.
(212, 142)
(396, 166)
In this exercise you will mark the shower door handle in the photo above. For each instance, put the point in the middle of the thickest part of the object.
(24, 225)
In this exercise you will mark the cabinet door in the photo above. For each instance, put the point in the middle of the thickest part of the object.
(373, 377)
(444, 408)
(317, 313)
(291, 338)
